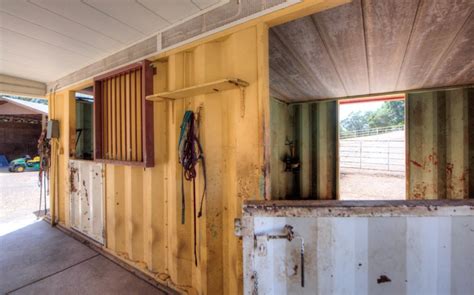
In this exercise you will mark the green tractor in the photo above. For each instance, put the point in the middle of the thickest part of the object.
(25, 164)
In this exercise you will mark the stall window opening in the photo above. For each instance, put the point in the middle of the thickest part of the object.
(372, 149)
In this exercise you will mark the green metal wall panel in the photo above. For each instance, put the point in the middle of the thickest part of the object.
(282, 128)
(440, 144)
(313, 128)
(325, 137)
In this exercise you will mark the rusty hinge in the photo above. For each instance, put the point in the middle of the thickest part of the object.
(238, 227)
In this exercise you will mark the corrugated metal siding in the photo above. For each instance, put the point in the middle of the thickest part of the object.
(282, 128)
(62, 108)
(325, 129)
(144, 205)
(440, 137)
(87, 198)
(313, 128)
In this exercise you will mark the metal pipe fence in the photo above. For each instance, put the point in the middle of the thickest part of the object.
(370, 131)
(384, 155)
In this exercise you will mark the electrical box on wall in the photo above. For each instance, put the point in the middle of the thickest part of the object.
(53, 129)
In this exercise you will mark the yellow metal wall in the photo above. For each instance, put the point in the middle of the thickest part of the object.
(61, 108)
(143, 205)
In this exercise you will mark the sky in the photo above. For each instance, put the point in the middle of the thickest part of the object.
(346, 109)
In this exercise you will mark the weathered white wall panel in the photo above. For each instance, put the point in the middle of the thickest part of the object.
(351, 255)
(87, 198)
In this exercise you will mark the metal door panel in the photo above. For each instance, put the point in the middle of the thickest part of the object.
(380, 250)
(87, 198)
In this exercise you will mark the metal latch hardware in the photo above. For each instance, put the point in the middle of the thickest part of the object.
(287, 234)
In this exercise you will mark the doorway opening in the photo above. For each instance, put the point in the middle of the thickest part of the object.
(84, 144)
(372, 149)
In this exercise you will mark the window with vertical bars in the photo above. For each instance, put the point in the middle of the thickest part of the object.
(123, 118)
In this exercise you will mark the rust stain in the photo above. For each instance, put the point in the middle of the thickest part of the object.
(86, 194)
(383, 279)
(295, 270)
(433, 158)
(430, 159)
(449, 168)
(416, 163)
(419, 191)
(71, 179)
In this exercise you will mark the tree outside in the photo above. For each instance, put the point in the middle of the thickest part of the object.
(391, 113)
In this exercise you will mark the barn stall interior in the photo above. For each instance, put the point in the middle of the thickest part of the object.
(259, 209)
(362, 51)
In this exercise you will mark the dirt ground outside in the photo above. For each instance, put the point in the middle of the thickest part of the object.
(356, 184)
(375, 171)
(19, 200)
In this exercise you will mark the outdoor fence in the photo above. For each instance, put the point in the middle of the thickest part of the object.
(369, 131)
(385, 155)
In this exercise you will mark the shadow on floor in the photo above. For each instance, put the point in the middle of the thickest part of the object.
(39, 259)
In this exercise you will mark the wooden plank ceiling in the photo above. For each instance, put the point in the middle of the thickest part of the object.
(373, 46)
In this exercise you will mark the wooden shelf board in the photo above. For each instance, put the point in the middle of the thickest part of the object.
(206, 88)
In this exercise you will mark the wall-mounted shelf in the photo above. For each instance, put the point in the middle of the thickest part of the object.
(206, 88)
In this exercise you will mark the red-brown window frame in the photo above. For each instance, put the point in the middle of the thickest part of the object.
(147, 115)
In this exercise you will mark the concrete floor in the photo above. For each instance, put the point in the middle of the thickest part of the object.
(19, 200)
(39, 259)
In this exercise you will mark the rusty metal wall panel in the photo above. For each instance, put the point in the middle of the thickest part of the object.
(406, 254)
(87, 198)
(440, 144)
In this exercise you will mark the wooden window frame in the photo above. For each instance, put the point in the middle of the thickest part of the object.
(147, 115)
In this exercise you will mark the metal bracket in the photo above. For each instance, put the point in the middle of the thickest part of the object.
(261, 245)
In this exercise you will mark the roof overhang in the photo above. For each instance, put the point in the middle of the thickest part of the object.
(21, 87)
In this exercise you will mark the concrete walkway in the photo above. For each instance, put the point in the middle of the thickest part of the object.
(19, 200)
(39, 259)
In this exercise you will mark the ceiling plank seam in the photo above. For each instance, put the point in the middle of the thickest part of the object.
(365, 43)
(153, 12)
(112, 17)
(402, 65)
(296, 57)
(49, 29)
(446, 50)
(318, 29)
(45, 42)
(73, 21)
(293, 86)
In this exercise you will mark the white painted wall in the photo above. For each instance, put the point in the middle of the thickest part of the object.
(346, 255)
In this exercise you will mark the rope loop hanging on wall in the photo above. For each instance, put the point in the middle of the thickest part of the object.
(190, 153)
